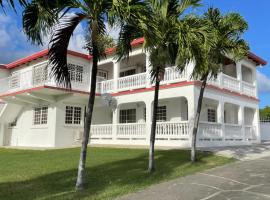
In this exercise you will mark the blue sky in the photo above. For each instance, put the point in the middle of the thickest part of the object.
(14, 44)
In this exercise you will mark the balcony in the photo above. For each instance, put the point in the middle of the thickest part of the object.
(39, 76)
(172, 133)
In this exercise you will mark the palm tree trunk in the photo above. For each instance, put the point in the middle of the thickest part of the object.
(196, 121)
(81, 178)
(151, 167)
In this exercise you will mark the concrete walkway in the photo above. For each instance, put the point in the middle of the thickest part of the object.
(243, 180)
(242, 152)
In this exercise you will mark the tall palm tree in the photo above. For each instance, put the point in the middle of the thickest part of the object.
(12, 3)
(167, 35)
(225, 39)
(41, 15)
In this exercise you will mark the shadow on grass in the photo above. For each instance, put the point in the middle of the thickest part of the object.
(105, 181)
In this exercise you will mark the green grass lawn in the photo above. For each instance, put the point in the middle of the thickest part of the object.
(51, 174)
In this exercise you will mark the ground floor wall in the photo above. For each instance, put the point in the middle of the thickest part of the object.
(234, 120)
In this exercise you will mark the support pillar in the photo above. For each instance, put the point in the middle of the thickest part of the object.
(241, 121)
(115, 121)
(116, 70)
(220, 118)
(239, 74)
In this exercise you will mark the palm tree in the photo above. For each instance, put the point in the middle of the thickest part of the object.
(41, 15)
(225, 39)
(167, 35)
(11, 3)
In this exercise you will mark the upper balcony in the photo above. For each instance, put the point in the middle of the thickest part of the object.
(121, 76)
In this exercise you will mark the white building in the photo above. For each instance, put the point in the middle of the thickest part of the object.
(37, 112)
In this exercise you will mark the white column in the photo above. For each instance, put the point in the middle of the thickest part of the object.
(256, 123)
(239, 73)
(241, 120)
(220, 118)
(254, 79)
(115, 120)
(116, 70)
(148, 70)
(148, 105)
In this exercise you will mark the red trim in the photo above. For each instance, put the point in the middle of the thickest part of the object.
(41, 54)
(109, 51)
(256, 59)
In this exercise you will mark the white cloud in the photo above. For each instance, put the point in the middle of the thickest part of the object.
(263, 83)
(14, 43)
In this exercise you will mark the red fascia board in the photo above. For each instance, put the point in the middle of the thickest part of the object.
(41, 54)
(44, 52)
(257, 59)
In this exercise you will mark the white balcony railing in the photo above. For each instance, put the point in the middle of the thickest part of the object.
(132, 82)
(139, 133)
(172, 129)
(248, 89)
(131, 129)
(230, 83)
(101, 130)
(250, 132)
(208, 130)
(39, 76)
(233, 132)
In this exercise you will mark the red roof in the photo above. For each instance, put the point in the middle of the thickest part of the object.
(134, 43)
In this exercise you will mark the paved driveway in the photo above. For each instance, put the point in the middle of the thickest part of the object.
(245, 180)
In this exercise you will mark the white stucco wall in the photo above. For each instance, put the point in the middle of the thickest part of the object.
(27, 134)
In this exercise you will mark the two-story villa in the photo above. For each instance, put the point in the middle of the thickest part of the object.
(36, 112)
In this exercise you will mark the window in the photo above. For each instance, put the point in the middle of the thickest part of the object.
(75, 72)
(15, 80)
(128, 72)
(103, 74)
(73, 115)
(128, 116)
(162, 114)
(40, 75)
(40, 115)
(211, 113)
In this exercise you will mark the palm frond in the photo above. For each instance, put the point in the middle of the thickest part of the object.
(11, 3)
(41, 15)
(59, 46)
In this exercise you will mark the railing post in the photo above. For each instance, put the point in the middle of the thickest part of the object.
(239, 75)
(116, 70)
(115, 119)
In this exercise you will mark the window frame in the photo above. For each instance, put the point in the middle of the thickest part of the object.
(40, 115)
(124, 117)
(76, 72)
(160, 114)
(213, 112)
(75, 118)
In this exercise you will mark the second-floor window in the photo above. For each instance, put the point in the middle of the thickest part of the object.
(40, 115)
(76, 72)
(128, 116)
(15, 80)
(211, 115)
(128, 72)
(73, 115)
(40, 75)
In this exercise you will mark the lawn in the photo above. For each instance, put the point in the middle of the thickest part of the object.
(51, 174)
